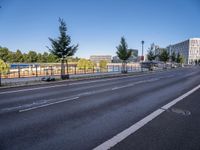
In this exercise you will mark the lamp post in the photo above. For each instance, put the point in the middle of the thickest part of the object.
(142, 53)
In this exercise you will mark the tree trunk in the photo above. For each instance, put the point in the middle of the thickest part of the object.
(62, 68)
(67, 67)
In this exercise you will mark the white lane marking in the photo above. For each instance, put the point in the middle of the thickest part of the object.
(47, 87)
(79, 83)
(81, 94)
(132, 129)
(36, 107)
(121, 136)
(170, 104)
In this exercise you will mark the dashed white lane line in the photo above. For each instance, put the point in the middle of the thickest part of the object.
(77, 83)
(45, 105)
(48, 87)
(132, 129)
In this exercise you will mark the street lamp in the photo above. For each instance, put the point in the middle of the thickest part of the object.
(142, 53)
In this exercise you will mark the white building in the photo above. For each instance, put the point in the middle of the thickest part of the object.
(98, 58)
(189, 49)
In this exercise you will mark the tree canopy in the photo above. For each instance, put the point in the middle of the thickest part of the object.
(103, 64)
(164, 56)
(4, 68)
(151, 54)
(85, 64)
(61, 46)
(173, 57)
(122, 50)
(179, 58)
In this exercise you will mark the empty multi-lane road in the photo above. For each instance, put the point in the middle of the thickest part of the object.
(86, 114)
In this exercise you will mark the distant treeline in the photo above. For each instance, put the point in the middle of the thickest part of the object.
(31, 57)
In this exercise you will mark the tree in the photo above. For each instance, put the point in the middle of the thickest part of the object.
(11, 58)
(45, 57)
(123, 53)
(173, 57)
(32, 57)
(103, 64)
(85, 64)
(179, 59)
(4, 68)
(164, 56)
(151, 54)
(51, 58)
(61, 46)
(4, 53)
(19, 56)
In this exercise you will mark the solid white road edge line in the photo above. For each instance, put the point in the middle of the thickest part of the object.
(124, 134)
(36, 107)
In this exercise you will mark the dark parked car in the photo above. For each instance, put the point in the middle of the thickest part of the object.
(48, 78)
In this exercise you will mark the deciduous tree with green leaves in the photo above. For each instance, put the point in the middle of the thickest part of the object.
(180, 59)
(123, 53)
(84, 64)
(103, 64)
(4, 67)
(61, 47)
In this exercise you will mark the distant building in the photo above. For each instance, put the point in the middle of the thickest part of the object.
(189, 49)
(134, 55)
(98, 58)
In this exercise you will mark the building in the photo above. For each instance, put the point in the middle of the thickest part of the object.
(98, 58)
(189, 49)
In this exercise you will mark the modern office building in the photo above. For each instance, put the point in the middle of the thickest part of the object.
(98, 58)
(189, 49)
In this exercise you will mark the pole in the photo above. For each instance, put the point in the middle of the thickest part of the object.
(142, 54)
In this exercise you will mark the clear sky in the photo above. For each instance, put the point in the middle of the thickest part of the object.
(97, 25)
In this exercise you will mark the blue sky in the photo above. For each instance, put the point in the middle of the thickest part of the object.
(98, 25)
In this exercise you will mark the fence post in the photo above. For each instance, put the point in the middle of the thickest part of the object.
(0, 78)
(75, 70)
(36, 72)
(84, 70)
(18, 71)
(51, 70)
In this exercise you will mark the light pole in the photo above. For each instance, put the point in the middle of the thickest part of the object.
(142, 53)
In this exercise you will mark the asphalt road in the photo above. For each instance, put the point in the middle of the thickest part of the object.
(84, 114)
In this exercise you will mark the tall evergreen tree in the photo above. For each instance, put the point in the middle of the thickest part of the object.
(61, 46)
(123, 53)
(164, 56)
(173, 57)
(151, 54)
